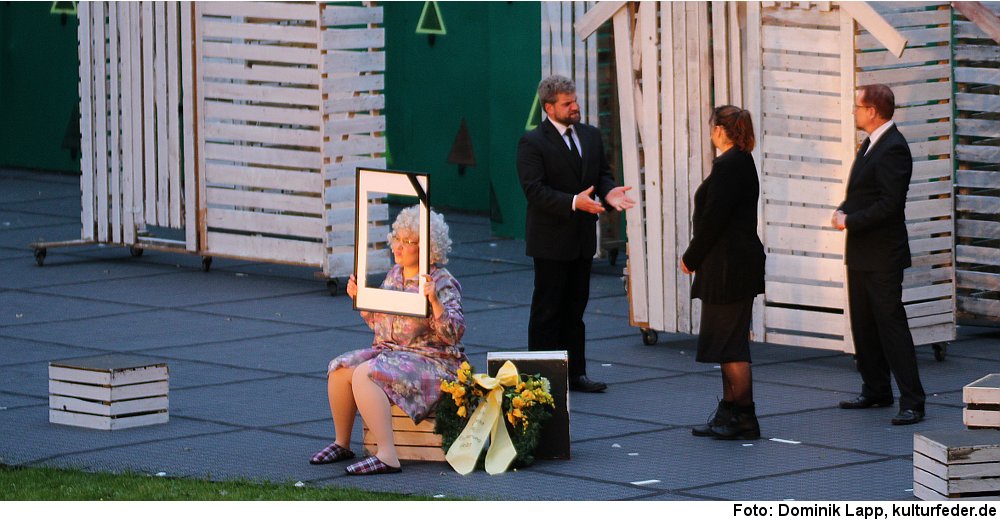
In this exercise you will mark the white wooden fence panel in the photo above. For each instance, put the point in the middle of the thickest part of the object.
(977, 75)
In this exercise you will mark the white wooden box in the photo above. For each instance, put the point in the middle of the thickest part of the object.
(110, 392)
(982, 402)
(956, 465)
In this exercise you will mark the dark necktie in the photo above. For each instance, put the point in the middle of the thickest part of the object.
(864, 146)
(573, 148)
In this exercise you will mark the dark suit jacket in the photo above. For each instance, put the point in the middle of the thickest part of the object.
(550, 177)
(876, 197)
(725, 252)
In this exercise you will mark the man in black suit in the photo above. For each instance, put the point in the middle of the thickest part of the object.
(561, 166)
(877, 252)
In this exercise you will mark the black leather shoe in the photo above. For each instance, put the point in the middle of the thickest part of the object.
(862, 401)
(908, 416)
(585, 384)
(719, 417)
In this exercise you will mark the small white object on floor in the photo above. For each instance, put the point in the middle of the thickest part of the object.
(606, 365)
(300, 484)
(748, 444)
(161, 474)
(645, 482)
(438, 496)
(616, 445)
(633, 454)
(786, 441)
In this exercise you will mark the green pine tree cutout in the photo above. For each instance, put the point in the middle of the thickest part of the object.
(63, 8)
(431, 21)
(534, 115)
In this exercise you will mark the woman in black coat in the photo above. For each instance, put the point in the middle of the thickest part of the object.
(727, 259)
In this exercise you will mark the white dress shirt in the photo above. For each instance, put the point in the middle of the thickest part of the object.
(877, 134)
(561, 128)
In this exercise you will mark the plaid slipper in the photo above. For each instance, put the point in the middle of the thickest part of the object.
(370, 466)
(331, 453)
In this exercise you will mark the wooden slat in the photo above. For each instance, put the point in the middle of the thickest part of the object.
(801, 62)
(904, 75)
(596, 16)
(265, 248)
(630, 160)
(798, 127)
(916, 210)
(354, 83)
(342, 39)
(265, 200)
(983, 204)
(805, 321)
(977, 128)
(796, 214)
(977, 52)
(802, 190)
(978, 229)
(808, 341)
(807, 147)
(922, 113)
(269, 53)
(989, 309)
(752, 89)
(796, 104)
(266, 10)
(802, 294)
(826, 83)
(161, 75)
(87, 109)
(806, 169)
(362, 103)
(340, 62)
(982, 154)
(114, 125)
(922, 92)
(930, 148)
(188, 113)
(928, 189)
(977, 75)
(260, 114)
(928, 292)
(359, 124)
(263, 156)
(649, 132)
(979, 281)
(910, 56)
(137, 208)
(914, 38)
(173, 74)
(288, 95)
(848, 82)
(259, 31)
(916, 132)
(977, 102)
(264, 134)
(675, 284)
(807, 240)
(129, 145)
(781, 38)
(977, 179)
(265, 178)
(354, 145)
(289, 225)
(260, 72)
(934, 169)
(349, 15)
(101, 120)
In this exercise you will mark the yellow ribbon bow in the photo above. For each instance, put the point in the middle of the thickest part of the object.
(464, 452)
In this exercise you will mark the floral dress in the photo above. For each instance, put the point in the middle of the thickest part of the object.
(410, 355)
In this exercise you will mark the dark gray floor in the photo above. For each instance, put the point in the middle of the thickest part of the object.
(247, 346)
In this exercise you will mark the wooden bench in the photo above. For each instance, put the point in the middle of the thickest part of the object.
(982, 403)
(413, 441)
(956, 465)
(109, 392)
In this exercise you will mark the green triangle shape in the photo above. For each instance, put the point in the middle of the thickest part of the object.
(63, 8)
(431, 21)
(534, 115)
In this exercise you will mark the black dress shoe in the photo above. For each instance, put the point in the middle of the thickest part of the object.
(862, 401)
(908, 416)
(719, 417)
(585, 384)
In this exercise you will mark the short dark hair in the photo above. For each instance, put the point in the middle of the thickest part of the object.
(881, 98)
(550, 88)
(737, 124)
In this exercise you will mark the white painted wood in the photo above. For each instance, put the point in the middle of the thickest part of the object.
(266, 134)
(268, 156)
(811, 81)
(112, 393)
(719, 54)
(348, 15)
(799, 104)
(342, 62)
(811, 270)
(137, 207)
(268, 53)
(106, 423)
(907, 74)
(806, 240)
(148, 111)
(132, 406)
(188, 69)
(266, 178)
(799, 340)
(286, 225)
(84, 36)
(101, 120)
(914, 38)
(161, 75)
(630, 164)
(114, 125)
(801, 294)
(807, 62)
(173, 81)
(266, 10)
(354, 145)
(650, 137)
(336, 39)
(265, 200)
(127, 117)
(682, 177)
(778, 38)
(909, 56)
(288, 95)
(107, 377)
(802, 321)
(259, 114)
(257, 31)
(596, 16)
(885, 35)
(673, 279)
(803, 190)
(735, 57)
(265, 248)
(812, 170)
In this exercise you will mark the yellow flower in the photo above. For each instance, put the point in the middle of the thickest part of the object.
(510, 418)
(528, 395)
(461, 411)
(465, 366)
(517, 413)
(459, 391)
(517, 402)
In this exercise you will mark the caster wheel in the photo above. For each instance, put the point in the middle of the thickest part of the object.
(649, 337)
(206, 263)
(333, 285)
(40, 256)
(613, 256)
(940, 351)
(136, 252)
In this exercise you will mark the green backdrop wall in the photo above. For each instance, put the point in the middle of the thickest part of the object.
(39, 70)
(485, 70)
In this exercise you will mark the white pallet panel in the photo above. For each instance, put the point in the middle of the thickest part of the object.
(259, 94)
(352, 129)
(565, 54)
(923, 97)
(805, 158)
(977, 204)
(131, 61)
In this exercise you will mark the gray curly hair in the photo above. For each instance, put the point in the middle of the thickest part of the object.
(550, 88)
(409, 220)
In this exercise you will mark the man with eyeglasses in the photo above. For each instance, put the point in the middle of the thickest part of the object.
(561, 166)
(877, 252)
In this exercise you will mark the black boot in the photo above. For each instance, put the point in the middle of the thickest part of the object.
(741, 425)
(719, 417)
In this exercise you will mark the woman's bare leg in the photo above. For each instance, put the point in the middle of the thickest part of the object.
(343, 409)
(377, 412)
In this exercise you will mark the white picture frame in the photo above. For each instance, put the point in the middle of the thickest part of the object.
(390, 182)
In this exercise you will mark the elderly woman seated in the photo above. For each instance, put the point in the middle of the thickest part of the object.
(409, 355)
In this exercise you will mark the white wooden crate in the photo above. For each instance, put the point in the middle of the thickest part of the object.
(982, 402)
(109, 392)
(956, 465)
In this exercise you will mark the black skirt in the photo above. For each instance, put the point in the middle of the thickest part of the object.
(725, 332)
